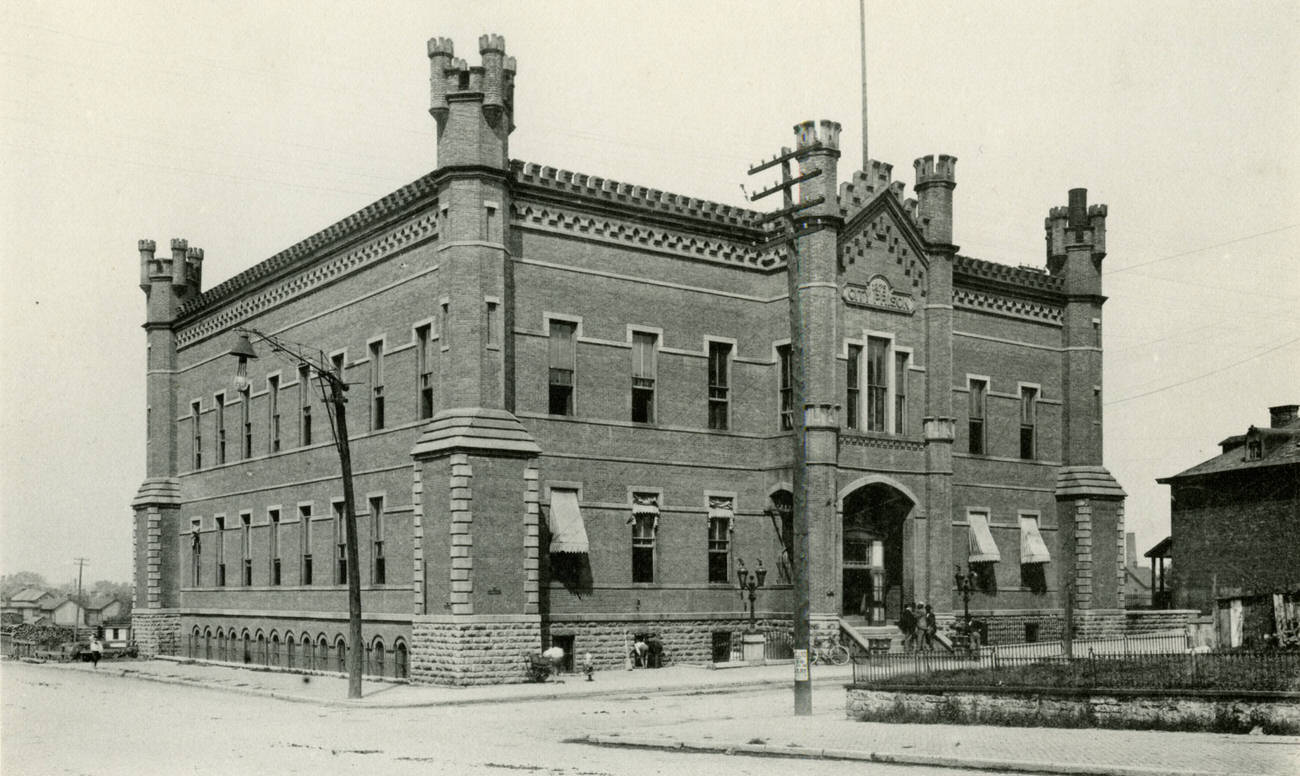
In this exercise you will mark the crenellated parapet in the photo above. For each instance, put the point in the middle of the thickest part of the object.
(170, 281)
(825, 133)
(1078, 224)
(936, 177)
(933, 170)
(452, 79)
(604, 189)
(980, 272)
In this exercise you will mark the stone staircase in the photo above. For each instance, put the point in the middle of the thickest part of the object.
(861, 637)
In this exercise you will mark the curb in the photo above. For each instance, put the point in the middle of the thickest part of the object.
(595, 692)
(890, 758)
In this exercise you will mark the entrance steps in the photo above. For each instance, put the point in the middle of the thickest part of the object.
(870, 637)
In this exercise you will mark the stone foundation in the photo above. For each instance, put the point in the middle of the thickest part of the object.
(1099, 624)
(684, 640)
(156, 632)
(469, 650)
(1155, 620)
(1221, 712)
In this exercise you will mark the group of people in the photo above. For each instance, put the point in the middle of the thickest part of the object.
(918, 627)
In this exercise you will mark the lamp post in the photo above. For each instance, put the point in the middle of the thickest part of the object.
(332, 388)
(753, 640)
(966, 585)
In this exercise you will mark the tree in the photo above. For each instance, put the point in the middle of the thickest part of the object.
(15, 582)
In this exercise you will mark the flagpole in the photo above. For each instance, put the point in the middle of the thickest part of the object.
(862, 31)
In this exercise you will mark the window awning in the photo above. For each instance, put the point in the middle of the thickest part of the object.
(721, 507)
(982, 547)
(1032, 547)
(645, 504)
(564, 520)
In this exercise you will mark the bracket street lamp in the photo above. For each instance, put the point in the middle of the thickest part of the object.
(751, 582)
(332, 387)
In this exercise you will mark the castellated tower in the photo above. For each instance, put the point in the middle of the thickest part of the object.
(167, 283)
(475, 461)
(1090, 503)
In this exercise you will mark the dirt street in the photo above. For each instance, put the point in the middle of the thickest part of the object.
(82, 722)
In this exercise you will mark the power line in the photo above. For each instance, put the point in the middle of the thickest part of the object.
(1201, 248)
(1204, 374)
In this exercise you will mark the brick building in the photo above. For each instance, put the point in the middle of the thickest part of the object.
(573, 417)
(1234, 520)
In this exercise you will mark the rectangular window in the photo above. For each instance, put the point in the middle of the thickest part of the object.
(643, 547)
(852, 376)
(719, 383)
(221, 428)
(245, 424)
(492, 316)
(786, 390)
(196, 553)
(221, 551)
(197, 430)
(445, 328)
(304, 517)
(246, 549)
(340, 544)
(273, 412)
(643, 377)
(273, 516)
(900, 393)
(377, 539)
(720, 517)
(877, 382)
(1028, 421)
(376, 385)
(424, 372)
(304, 402)
(563, 361)
(978, 389)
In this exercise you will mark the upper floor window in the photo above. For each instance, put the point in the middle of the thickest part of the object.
(273, 517)
(1254, 449)
(196, 553)
(877, 383)
(221, 550)
(721, 513)
(376, 385)
(786, 390)
(900, 392)
(246, 423)
(340, 544)
(196, 429)
(562, 362)
(246, 549)
(377, 539)
(221, 428)
(1028, 420)
(304, 537)
(304, 403)
(975, 426)
(643, 377)
(493, 321)
(273, 412)
(424, 372)
(852, 377)
(719, 383)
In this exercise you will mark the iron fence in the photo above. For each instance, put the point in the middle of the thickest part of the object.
(777, 645)
(1272, 671)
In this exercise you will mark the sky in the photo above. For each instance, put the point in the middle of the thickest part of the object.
(247, 126)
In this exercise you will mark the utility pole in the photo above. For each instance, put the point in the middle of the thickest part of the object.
(792, 231)
(332, 386)
(81, 611)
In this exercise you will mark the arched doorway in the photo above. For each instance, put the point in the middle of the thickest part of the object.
(873, 555)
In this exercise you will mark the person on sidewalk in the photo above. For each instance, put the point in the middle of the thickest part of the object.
(907, 624)
(96, 652)
(930, 628)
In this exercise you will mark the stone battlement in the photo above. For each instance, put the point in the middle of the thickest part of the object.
(635, 196)
(931, 169)
(811, 133)
(453, 78)
(1025, 277)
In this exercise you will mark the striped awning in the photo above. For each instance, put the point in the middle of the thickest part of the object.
(564, 520)
(982, 547)
(645, 504)
(1032, 547)
(721, 507)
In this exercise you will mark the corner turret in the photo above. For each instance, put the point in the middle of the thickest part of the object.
(474, 103)
(1076, 243)
(824, 140)
(935, 180)
(169, 282)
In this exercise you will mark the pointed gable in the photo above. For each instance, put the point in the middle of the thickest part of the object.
(882, 252)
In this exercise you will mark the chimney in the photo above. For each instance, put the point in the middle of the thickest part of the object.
(1282, 416)
(1130, 549)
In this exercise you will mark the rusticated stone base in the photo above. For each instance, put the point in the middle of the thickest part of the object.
(1099, 624)
(469, 650)
(156, 632)
(1157, 620)
(1221, 712)
(687, 641)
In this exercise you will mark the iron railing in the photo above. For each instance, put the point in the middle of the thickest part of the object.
(1252, 671)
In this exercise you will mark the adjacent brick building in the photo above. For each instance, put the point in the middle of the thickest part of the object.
(573, 417)
(1235, 519)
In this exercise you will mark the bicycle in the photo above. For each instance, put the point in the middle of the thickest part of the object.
(830, 652)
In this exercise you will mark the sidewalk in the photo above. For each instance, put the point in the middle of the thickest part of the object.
(331, 689)
(828, 735)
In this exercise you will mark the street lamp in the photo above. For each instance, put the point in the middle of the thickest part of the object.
(332, 388)
(751, 582)
(966, 583)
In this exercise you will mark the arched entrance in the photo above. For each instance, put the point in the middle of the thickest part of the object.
(874, 547)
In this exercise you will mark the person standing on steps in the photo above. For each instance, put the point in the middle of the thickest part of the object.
(907, 624)
(929, 629)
